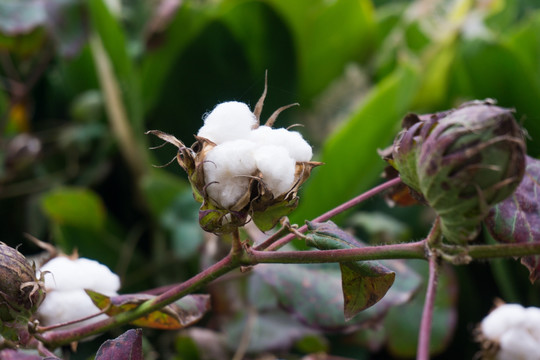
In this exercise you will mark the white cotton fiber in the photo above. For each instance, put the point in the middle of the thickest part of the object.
(65, 281)
(63, 273)
(228, 121)
(64, 306)
(277, 168)
(292, 141)
(517, 344)
(229, 166)
(516, 330)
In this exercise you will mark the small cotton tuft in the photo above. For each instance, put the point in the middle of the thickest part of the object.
(228, 121)
(277, 168)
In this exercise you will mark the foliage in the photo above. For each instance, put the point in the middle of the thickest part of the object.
(83, 81)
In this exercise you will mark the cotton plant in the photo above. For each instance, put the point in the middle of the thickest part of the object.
(240, 169)
(65, 280)
(511, 332)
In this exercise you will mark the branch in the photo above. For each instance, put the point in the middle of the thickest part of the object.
(272, 244)
(415, 250)
(433, 241)
(427, 313)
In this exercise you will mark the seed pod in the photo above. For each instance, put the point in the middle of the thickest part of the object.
(462, 162)
(21, 292)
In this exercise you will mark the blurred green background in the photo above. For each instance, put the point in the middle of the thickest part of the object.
(83, 80)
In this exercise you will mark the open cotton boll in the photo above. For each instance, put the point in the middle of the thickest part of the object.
(532, 322)
(65, 280)
(228, 166)
(501, 319)
(63, 306)
(518, 344)
(63, 273)
(277, 168)
(292, 141)
(228, 121)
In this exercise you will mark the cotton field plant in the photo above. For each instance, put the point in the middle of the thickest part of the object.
(467, 164)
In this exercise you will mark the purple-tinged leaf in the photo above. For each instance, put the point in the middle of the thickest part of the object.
(364, 283)
(312, 293)
(11, 354)
(127, 346)
(517, 219)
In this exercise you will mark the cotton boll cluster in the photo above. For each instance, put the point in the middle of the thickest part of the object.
(245, 150)
(516, 331)
(65, 280)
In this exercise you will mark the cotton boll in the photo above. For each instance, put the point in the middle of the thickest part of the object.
(277, 168)
(517, 344)
(501, 319)
(63, 306)
(65, 281)
(228, 166)
(62, 274)
(292, 141)
(228, 121)
(532, 322)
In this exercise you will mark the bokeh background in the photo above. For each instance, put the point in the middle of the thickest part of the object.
(81, 82)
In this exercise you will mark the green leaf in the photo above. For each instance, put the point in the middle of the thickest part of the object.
(517, 219)
(73, 206)
(327, 36)
(364, 283)
(184, 312)
(189, 21)
(270, 216)
(512, 86)
(161, 188)
(351, 160)
(115, 44)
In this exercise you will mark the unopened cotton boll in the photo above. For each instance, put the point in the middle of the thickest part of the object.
(292, 141)
(228, 121)
(227, 169)
(65, 280)
(277, 168)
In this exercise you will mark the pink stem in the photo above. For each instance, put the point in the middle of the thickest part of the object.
(329, 214)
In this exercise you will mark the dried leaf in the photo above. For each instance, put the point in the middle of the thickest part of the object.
(517, 219)
(184, 312)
